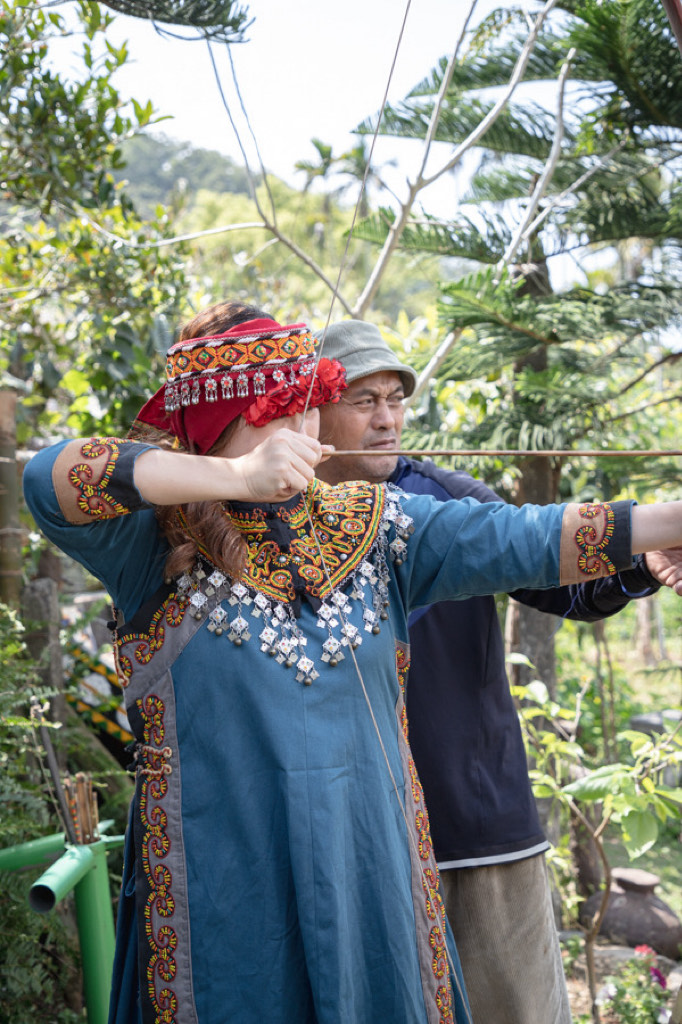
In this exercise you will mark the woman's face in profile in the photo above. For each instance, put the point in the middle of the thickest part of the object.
(246, 437)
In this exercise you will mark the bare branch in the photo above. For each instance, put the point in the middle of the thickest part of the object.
(671, 357)
(265, 225)
(502, 102)
(534, 225)
(442, 92)
(402, 216)
(643, 408)
(297, 251)
(547, 172)
(433, 366)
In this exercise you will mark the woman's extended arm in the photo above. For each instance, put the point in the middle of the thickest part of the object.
(656, 527)
(281, 466)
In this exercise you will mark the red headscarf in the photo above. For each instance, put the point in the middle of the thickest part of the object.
(260, 370)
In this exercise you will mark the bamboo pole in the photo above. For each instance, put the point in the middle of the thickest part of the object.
(673, 8)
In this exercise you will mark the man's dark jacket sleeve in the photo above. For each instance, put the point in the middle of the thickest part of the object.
(586, 602)
(464, 729)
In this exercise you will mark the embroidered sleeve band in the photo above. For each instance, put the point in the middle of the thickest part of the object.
(93, 479)
(595, 541)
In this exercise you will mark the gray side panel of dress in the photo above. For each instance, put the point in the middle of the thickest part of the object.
(435, 968)
(161, 892)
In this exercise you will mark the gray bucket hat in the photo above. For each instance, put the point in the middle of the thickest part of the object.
(359, 348)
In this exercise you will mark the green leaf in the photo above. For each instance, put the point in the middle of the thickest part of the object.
(609, 779)
(640, 831)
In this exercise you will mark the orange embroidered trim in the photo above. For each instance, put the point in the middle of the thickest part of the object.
(347, 520)
(435, 909)
(92, 496)
(593, 539)
(226, 356)
(170, 613)
(163, 940)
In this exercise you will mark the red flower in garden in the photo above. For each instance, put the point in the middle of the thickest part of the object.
(644, 950)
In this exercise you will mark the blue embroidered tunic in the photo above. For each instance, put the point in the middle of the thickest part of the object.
(279, 866)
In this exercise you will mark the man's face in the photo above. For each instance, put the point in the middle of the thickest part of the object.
(368, 417)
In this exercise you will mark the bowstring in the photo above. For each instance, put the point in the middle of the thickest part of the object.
(411, 838)
(344, 258)
(416, 859)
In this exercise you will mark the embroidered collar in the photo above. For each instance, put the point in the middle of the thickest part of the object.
(286, 560)
(352, 525)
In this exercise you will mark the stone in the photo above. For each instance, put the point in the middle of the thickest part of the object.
(635, 915)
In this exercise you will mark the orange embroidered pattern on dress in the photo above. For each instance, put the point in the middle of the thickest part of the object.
(93, 498)
(149, 643)
(593, 538)
(435, 909)
(347, 520)
(159, 908)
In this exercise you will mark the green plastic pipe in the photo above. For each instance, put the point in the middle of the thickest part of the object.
(33, 853)
(44, 850)
(96, 932)
(60, 878)
(82, 869)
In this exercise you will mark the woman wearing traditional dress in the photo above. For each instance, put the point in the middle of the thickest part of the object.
(278, 864)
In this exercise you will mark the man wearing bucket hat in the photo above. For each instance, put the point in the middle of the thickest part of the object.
(463, 726)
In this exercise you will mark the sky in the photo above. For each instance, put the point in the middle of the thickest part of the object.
(309, 69)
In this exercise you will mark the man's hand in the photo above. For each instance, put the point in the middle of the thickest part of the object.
(666, 567)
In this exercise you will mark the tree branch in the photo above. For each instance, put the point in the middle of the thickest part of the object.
(643, 408)
(547, 172)
(672, 357)
(534, 225)
(396, 230)
(432, 367)
(502, 102)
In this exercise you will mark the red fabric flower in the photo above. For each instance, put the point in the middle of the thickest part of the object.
(286, 399)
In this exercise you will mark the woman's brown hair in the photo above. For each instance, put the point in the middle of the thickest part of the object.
(205, 522)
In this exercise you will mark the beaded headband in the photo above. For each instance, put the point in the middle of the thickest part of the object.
(230, 368)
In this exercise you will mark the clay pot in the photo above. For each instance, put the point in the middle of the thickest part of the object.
(635, 916)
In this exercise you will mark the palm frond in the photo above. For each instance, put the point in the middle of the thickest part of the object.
(570, 327)
(630, 45)
(492, 65)
(484, 239)
(220, 20)
(527, 129)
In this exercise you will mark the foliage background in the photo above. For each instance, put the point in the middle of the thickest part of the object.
(94, 281)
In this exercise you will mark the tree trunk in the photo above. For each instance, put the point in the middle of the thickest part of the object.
(645, 650)
(588, 865)
(530, 632)
(40, 612)
(10, 531)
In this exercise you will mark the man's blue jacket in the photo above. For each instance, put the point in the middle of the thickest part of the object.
(464, 729)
